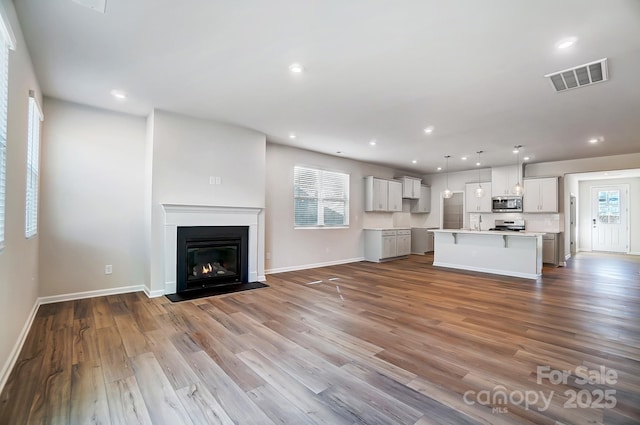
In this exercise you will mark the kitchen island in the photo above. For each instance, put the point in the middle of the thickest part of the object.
(508, 253)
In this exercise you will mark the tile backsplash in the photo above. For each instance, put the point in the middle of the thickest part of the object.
(552, 223)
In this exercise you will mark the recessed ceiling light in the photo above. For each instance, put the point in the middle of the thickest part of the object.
(477, 164)
(429, 129)
(118, 94)
(373, 142)
(292, 136)
(526, 158)
(415, 161)
(595, 140)
(439, 168)
(464, 158)
(296, 68)
(566, 43)
(516, 150)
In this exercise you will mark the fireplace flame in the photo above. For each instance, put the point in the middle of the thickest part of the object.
(208, 268)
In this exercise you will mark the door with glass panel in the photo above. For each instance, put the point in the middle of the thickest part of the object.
(609, 224)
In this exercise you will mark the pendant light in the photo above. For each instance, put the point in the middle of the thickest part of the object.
(517, 190)
(447, 193)
(479, 189)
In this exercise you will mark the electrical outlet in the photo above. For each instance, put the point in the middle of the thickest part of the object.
(268, 256)
(108, 269)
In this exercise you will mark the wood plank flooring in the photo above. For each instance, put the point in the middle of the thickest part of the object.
(393, 343)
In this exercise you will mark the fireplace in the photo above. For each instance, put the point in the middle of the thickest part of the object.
(211, 256)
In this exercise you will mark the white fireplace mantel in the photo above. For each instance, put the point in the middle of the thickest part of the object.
(203, 215)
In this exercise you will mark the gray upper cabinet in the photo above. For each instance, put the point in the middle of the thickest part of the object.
(478, 205)
(382, 195)
(422, 204)
(410, 187)
(504, 178)
(540, 195)
(395, 196)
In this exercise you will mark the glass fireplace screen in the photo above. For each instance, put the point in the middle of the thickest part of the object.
(212, 261)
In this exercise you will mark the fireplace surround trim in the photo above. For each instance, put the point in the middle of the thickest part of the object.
(204, 215)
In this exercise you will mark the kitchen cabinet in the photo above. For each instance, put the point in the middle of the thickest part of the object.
(422, 204)
(395, 196)
(550, 248)
(540, 195)
(382, 195)
(389, 244)
(376, 194)
(410, 187)
(403, 242)
(421, 240)
(478, 205)
(504, 178)
(385, 244)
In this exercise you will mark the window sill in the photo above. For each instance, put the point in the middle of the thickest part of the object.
(319, 227)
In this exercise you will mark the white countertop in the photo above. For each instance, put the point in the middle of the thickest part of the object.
(489, 232)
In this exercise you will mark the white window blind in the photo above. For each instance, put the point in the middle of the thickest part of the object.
(33, 167)
(5, 41)
(321, 198)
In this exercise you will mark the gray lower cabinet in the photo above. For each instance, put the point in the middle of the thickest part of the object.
(421, 240)
(550, 249)
(386, 244)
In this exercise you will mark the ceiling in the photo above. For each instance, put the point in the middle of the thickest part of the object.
(609, 175)
(373, 69)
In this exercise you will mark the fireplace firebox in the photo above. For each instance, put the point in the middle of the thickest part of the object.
(211, 256)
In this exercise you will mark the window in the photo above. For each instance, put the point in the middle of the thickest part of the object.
(33, 166)
(609, 206)
(7, 41)
(321, 198)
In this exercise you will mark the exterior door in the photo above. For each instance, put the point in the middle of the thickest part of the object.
(609, 225)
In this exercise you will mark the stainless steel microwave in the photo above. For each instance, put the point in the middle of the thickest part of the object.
(503, 204)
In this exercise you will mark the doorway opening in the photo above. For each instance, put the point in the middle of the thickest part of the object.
(452, 211)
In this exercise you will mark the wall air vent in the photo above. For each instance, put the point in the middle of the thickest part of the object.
(579, 76)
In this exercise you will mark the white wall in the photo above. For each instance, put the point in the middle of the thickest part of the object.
(584, 206)
(289, 248)
(183, 153)
(19, 259)
(92, 208)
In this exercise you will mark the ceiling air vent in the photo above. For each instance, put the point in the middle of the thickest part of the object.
(579, 76)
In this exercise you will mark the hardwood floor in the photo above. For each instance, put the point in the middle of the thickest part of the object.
(393, 343)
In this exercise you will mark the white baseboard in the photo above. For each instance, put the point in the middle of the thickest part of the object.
(634, 253)
(153, 294)
(90, 294)
(262, 278)
(312, 266)
(15, 352)
(566, 257)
